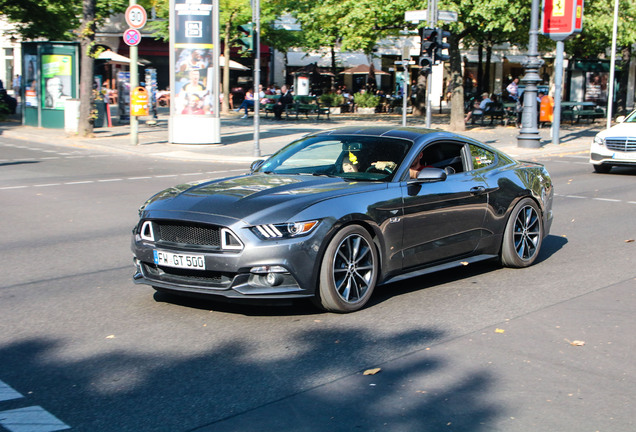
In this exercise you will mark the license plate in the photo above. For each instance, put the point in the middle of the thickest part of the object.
(184, 261)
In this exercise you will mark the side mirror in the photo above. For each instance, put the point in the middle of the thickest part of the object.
(256, 164)
(431, 175)
(620, 119)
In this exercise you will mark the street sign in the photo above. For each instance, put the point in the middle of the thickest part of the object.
(422, 15)
(136, 16)
(132, 37)
(561, 18)
(404, 62)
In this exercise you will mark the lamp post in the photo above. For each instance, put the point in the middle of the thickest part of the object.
(529, 133)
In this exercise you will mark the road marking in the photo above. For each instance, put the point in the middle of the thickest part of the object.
(613, 200)
(80, 182)
(162, 176)
(14, 187)
(31, 419)
(7, 393)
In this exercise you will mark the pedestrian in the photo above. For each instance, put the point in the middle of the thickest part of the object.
(479, 108)
(247, 103)
(285, 99)
(513, 90)
(16, 86)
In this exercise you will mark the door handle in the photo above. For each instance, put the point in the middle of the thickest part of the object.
(477, 190)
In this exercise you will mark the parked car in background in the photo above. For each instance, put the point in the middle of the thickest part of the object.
(334, 214)
(615, 146)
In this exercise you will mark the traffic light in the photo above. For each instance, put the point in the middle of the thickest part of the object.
(247, 40)
(440, 45)
(429, 41)
(426, 64)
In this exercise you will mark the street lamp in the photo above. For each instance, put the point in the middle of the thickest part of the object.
(529, 133)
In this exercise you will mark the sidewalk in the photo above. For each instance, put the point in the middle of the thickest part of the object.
(237, 136)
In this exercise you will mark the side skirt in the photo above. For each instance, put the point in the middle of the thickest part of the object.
(439, 267)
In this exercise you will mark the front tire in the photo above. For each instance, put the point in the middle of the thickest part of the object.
(602, 169)
(523, 235)
(349, 270)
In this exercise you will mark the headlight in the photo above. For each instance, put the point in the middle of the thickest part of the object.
(599, 141)
(284, 230)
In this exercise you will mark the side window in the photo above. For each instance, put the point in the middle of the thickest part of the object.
(481, 157)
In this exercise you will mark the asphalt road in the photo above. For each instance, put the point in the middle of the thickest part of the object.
(480, 348)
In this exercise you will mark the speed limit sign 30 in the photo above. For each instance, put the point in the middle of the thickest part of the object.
(136, 16)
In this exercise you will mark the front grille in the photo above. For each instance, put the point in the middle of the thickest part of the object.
(197, 235)
(623, 144)
(202, 278)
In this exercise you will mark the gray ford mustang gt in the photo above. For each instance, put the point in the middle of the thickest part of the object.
(332, 215)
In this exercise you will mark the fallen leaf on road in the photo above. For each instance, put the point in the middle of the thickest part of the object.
(629, 241)
(110, 337)
(575, 343)
(499, 330)
(464, 263)
(371, 371)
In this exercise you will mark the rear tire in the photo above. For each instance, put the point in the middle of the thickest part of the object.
(349, 270)
(602, 169)
(523, 235)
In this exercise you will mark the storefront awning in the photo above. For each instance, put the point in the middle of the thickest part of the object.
(345, 60)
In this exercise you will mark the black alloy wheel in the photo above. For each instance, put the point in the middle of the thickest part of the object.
(523, 235)
(349, 270)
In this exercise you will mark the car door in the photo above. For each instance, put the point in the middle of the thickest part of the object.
(444, 219)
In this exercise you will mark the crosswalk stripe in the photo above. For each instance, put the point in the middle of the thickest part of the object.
(31, 419)
(7, 393)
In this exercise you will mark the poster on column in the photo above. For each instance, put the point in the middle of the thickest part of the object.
(57, 71)
(193, 50)
(31, 80)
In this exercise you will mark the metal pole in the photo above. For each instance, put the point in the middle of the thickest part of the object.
(406, 57)
(558, 83)
(529, 133)
(134, 83)
(610, 98)
(256, 19)
(431, 20)
(405, 93)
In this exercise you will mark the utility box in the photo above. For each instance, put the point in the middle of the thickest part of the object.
(71, 115)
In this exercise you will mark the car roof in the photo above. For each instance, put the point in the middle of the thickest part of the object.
(410, 133)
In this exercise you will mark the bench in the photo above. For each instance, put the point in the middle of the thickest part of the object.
(589, 114)
(306, 105)
(269, 106)
(494, 110)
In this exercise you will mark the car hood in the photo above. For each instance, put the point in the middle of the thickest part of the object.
(253, 198)
(620, 130)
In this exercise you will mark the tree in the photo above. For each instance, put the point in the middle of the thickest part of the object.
(481, 21)
(595, 40)
(66, 20)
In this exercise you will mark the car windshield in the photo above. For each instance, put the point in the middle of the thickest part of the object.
(349, 157)
(631, 118)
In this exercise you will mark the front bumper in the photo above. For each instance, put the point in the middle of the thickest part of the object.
(601, 155)
(230, 274)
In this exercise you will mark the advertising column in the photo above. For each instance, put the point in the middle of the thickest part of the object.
(194, 79)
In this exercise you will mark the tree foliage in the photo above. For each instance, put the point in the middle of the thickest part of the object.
(54, 19)
(598, 23)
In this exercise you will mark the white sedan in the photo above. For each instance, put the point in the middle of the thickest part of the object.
(615, 146)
